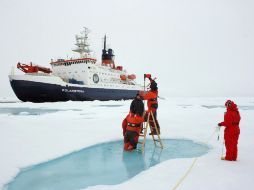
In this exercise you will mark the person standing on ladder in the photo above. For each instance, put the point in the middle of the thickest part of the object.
(132, 124)
(232, 131)
(152, 103)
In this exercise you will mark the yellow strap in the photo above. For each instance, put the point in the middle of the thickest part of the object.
(191, 166)
(186, 173)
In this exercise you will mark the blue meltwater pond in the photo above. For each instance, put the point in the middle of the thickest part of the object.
(101, 164)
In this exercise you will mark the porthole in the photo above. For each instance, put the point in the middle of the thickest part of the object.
(95, 78)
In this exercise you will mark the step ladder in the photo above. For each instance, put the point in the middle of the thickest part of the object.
(145, 125)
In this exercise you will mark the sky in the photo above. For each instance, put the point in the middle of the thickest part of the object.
(194, 48)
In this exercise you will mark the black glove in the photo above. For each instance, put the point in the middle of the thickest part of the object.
(219, 125)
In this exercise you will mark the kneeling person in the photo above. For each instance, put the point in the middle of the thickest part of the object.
(134, 125)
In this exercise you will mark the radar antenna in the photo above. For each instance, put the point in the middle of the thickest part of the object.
(82, 43)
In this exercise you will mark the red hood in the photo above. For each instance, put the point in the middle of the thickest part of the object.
(232, 107)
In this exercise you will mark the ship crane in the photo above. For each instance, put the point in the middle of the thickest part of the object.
(32, 68)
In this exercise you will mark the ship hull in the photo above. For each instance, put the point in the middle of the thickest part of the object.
(45, 92)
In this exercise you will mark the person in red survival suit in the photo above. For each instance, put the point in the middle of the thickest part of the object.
(152, 103)
(232, 131)
(132, 124)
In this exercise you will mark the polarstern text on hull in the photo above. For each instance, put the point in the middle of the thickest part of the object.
(77, 79)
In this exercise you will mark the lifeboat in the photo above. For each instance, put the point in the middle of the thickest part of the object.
(120, 68)
(132, 77)
(123, 77)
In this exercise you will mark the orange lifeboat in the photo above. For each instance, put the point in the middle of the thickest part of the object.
(120, 68)
(123, 77)
(132, 77)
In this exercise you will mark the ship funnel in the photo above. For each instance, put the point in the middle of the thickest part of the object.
(107, 54)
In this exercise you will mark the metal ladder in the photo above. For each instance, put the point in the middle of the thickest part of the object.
(145, 128)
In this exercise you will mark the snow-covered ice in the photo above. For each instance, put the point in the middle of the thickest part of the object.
(35, 133)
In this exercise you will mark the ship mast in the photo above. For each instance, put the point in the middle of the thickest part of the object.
(82, 44)
(105, 38)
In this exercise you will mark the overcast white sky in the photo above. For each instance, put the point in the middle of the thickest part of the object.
(193, 47)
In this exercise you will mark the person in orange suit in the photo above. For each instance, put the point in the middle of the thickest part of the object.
(132, 124)
(152, 103)
(232, 131)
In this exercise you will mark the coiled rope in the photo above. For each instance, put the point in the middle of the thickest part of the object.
(191, 166)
